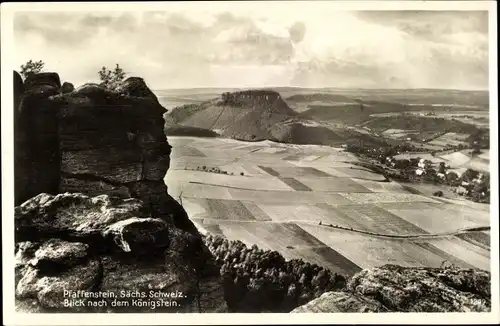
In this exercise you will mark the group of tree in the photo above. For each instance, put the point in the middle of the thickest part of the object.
(477, 185)
(423, 124)
(231, 99)
(110, 78)
(381, 152)
(212, 170)
(479, 140)
(257, 280)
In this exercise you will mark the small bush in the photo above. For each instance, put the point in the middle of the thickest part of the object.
(438, 193)
(111, 79)
(31, 67)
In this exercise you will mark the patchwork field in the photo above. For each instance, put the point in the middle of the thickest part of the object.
(310, 202)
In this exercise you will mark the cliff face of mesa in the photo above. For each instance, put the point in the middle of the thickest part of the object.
(105, 153)
(257, 99)
(392, 288)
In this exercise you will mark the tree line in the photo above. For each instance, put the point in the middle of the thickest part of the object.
(257, 280)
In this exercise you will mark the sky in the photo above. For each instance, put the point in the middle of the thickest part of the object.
(262, 46)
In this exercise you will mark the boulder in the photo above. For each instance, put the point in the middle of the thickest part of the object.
(425, 289)
(334, 302)
(49, 290)
(141, 281)
(48, 268)
(91, 90)
(58, 252)
(124, 223)
(135, 86)
(67, 87)
(44, 78)
(394, 288)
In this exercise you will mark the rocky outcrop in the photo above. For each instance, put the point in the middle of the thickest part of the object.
(20, 154)
(44, 78)
(95, 141)
(136, 87)
(404, 289)
(332, 302)
(36, 139)
(18, 90)
(92, 202)
(106, 246)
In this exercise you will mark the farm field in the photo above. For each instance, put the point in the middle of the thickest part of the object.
(369, 252)
(287, 190)
(428, 189)
(446, 218)
(450, 138)
(478, 164)
(464, 159)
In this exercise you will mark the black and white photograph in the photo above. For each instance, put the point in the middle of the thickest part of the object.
(300, 158)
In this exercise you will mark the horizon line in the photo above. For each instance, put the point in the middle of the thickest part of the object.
(324, 87)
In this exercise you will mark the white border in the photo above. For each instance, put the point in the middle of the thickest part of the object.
(13, 318)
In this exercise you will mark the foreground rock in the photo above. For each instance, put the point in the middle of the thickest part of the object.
(331, 302)
(111, 250)
(101, 220)
(93, 212)
(400, 289)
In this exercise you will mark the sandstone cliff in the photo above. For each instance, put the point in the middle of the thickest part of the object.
(393, 288)
(93, 210)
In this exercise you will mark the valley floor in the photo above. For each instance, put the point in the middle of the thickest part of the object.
(275, 196)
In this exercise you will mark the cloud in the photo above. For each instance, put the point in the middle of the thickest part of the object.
(261, 46)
